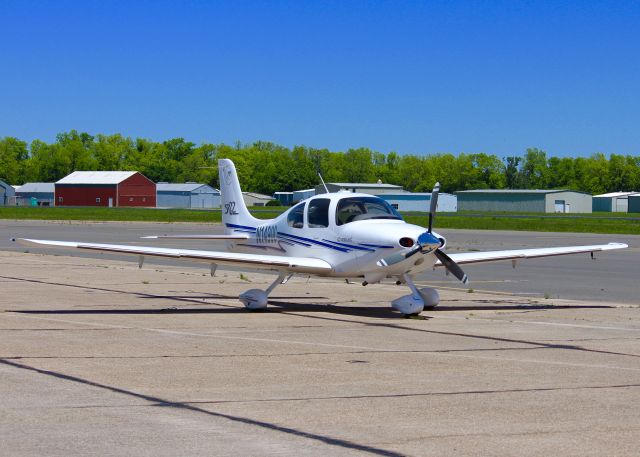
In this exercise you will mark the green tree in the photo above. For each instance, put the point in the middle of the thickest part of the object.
(512, 176)
(77, 149)
(360, 165)
(562, 173)
(534, 169)
(13, 157)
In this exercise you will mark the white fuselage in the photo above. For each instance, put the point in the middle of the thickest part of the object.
(353, 248)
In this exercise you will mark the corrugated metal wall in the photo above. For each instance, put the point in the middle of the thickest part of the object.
(85, 195)
(416, 202)
(573, 202)
(202, 200)
(634, 204)
(137, 190)
(601, 204)
(174, 199)
(497, 202)
(178, 199)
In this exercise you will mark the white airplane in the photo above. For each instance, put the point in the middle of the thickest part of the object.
(343, 235)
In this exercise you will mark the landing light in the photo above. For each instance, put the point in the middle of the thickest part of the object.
(406, 242)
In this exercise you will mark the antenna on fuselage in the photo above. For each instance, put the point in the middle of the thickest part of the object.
(322, 181)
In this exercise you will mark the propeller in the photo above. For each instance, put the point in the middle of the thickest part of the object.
(451, 266)
(427, 242)
(433, 205)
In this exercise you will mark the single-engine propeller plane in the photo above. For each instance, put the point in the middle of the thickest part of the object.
(343, 234)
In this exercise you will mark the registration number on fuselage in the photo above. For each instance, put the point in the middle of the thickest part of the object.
(267, 234)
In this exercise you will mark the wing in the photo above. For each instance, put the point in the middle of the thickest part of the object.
(267, 262)
(238, 237)
(514, 254)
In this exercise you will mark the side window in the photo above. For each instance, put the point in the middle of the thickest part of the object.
(318, 213)
(295, 218)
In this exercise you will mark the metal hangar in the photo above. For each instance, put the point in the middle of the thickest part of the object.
(524, 201)
(187, 195)
(105, 188)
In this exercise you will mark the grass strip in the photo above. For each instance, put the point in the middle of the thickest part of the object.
(599, 223)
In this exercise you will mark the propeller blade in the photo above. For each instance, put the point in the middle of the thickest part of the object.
(451, 266)
(398, 257)
(433, 205)
(426, 242)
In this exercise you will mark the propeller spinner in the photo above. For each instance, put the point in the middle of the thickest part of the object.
(427, 242)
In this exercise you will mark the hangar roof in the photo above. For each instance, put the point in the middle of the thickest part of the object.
(186, 187)
(517, 191)
(37, 187)
(366, 185)
(4, 185)
(96, 177)
(616, 194)
(258, 196)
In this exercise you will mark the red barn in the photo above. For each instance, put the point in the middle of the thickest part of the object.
(105, 188)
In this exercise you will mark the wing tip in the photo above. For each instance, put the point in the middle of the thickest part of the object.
(618, 245)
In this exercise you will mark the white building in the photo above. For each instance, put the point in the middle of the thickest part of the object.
(366, 188)
(613, 202)
(255, 199)
(420, 201)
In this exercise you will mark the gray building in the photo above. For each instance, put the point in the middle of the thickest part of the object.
(420, 201)
(6, 193)
(36, 194)
(284, 198)
(530, 201)
(255, 199)
(613, 202)
(187, 195)
(365, 188)
(291, 198)
(299, 195)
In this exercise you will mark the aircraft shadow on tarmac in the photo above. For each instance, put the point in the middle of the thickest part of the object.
(278, 306)
(296, 307)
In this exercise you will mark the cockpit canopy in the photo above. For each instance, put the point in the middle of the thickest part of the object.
(351, 209)
(317, 212)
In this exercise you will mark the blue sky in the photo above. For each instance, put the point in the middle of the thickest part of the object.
(412, 77)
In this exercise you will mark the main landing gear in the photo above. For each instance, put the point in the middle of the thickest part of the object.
(255, 299)
(417, 300)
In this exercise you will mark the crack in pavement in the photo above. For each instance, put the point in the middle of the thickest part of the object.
(157, 401)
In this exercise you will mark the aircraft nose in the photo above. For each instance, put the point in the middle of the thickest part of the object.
(428, 242)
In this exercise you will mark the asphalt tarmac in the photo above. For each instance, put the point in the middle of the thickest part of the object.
(98, 357)
(610, 278)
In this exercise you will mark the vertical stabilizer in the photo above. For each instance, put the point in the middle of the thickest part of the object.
(234, 211)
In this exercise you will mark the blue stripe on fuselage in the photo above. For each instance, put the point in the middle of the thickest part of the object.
(382, 246)
(246, 227)
(300, 239)
(360, 248)
(309, 240)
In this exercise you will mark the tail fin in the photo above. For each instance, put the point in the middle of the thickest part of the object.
(234, 211)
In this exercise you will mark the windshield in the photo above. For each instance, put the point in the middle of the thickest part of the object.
(362, 208)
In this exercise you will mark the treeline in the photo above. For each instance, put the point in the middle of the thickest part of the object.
(266, 167)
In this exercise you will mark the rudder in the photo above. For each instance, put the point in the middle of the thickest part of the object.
(234, 211)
